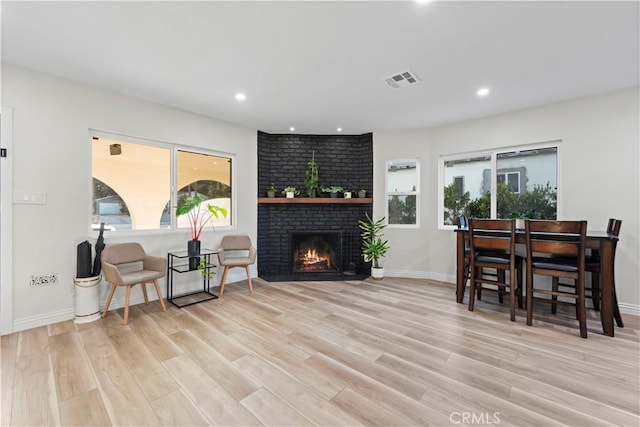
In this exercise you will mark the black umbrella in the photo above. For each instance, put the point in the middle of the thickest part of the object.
(84, 260)
(97, 265)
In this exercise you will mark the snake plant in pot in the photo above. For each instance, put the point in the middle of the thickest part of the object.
(373, 245)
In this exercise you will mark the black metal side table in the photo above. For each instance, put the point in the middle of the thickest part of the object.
(179, 262)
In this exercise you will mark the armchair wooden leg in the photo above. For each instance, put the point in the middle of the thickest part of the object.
(223, 280)
(144, 293)
(127, 296)
(109, 297)
(249, 279)
(155, 284)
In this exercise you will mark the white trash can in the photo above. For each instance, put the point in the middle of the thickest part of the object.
(87, 292)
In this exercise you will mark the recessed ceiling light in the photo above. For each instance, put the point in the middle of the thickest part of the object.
(291, 129)
(423, 1)
(339, 129)
(483, 91)
(241, 96)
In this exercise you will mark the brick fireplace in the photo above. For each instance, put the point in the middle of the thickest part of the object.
(286, 225)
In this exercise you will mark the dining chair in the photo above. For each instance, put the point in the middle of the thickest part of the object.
(492, 243)
(463, 223)
(236, 251)
(127, 264)
(592, 265)
(556, 249)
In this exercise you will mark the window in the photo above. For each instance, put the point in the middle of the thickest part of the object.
(403, 178)
(459, 184)
(508, 183)
(132, 182)
(510, 179)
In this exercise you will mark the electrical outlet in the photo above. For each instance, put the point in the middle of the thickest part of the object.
(44, 280)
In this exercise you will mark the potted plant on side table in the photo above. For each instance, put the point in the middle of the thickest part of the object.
(198, 217)
(373, 247)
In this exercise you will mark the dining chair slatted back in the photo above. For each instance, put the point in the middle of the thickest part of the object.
(492, 243)
(592, 265)
(556, 249)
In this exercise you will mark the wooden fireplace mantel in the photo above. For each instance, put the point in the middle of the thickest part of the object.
(316, 200)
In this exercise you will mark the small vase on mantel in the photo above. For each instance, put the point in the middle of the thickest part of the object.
(193, 250)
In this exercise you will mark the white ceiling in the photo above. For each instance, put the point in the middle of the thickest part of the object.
(320, 65)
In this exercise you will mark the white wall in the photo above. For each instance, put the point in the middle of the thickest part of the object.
(52, 154)
(598, 178)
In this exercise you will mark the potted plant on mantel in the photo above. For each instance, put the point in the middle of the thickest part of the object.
(290, 192)
(373, 247)
(272, 190)
(311, 176)
(333, 190)
(198, 218)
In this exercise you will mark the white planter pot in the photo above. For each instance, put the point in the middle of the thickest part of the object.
(377, 273)
(87, 292)
(347, 195)
(290, 194)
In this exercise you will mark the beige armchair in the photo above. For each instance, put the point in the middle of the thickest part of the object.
(236, 251)
(126, 264)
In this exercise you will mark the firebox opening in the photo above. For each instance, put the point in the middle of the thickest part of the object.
(316, 252)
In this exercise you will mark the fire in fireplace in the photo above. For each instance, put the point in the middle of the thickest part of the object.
(316, 252)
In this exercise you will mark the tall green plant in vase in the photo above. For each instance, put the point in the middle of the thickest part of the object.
(311, 176)
(373, 245)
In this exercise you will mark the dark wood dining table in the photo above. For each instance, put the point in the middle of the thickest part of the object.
(598, 240)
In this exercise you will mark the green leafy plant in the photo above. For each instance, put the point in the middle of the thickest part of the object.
(272, 188)
(373, 245)
(290, 189)
(205, 269)
(197, 215)
(332, 189)
(311, 175)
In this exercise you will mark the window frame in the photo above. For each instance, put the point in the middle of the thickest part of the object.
(173, 160)
(492, 153)
(388, 193)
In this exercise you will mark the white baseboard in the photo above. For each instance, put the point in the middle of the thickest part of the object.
(43, 319)
(234, 275)
(625, 308)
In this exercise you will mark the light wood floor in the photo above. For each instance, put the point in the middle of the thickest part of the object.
(394, 352)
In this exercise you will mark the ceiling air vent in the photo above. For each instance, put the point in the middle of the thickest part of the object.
(403, 79)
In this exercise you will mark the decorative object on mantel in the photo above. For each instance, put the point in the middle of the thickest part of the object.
(290, 192)
(347, 194)
(362, 194)
(333, 190)
(272, 190)
(373, 247)
(198, 218)
(311, 176)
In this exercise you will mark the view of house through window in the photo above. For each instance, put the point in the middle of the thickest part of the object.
(403, 178)
(132, 183)
(522, 184)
